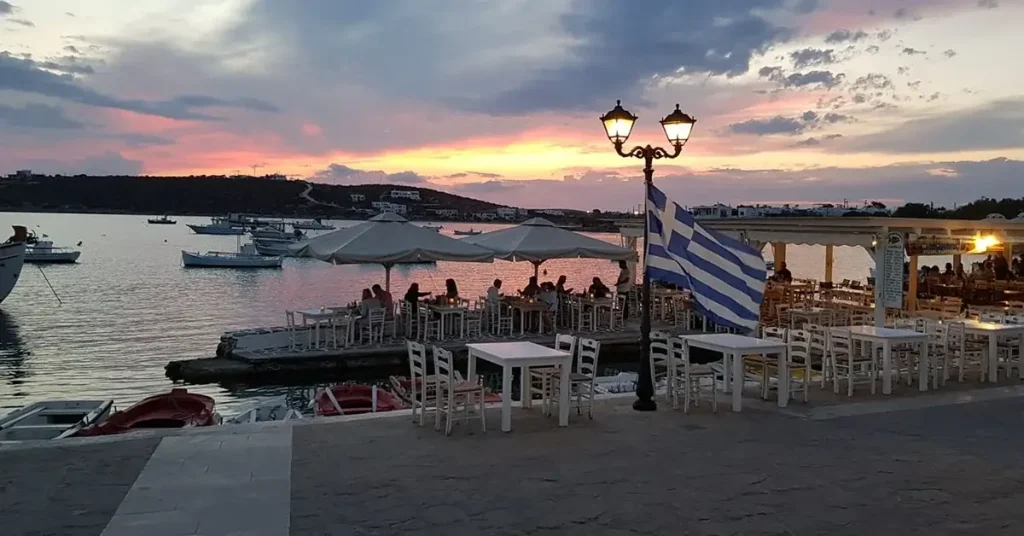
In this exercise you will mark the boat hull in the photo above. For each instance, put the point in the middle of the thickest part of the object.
(53, 419)
(177, 409)
(222, 230)
(12, 258)
(354, 399)
(52, 257)
(311, 226)
(161, 222)
(273, 248)
(229, 260)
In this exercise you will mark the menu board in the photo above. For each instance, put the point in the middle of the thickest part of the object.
(892, 284)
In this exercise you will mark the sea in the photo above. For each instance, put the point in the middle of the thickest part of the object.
(106, 327)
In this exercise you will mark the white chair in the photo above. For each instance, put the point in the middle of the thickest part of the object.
(373, 327)
(799, 361)
(499, 318)
(293, 332)
(819, 350)
(422, 388)
(582, 381)
(541, 378)
(338, 322)
(453, 392)
(774, 333)
(968, 354)
(473, 322)
(845, 362)
(430, 328)
(688, 377)
(660, 362)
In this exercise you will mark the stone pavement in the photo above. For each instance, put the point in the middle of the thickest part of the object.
(953, 467)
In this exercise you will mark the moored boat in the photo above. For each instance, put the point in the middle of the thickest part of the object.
(12, 258)
(41, 251)
(470, 232)
(177, 409)
(274, 409)
(354, 399)
(275, 230)
(52, 419)
(436, 228)
(312, 225)
(162, 220)
(273, 247)
(230, 226)
(246, 257)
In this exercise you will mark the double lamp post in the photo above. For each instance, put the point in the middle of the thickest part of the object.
(618, 123)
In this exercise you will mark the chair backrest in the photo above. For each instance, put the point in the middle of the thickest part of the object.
(774, 333)
(905, 323)
(565, 343)
(443, 368)
(590, 349)
(839, 340)
(289, 318)
(660, 336)
(799, 336)
(992, 317)
(376, 316)
(956, 335)
(1013, 319)
(659, 356)
(799, 349)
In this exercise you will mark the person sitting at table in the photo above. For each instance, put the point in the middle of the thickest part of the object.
(368, 304)
(560, 286)
(532, 289)
(412, 297)
(598, 289)
(783, 275)
(494, 293)
(385, 299)
(451, 290)
(548, 295)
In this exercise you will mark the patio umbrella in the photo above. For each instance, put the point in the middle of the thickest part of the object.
(537, 240)
(388, 239)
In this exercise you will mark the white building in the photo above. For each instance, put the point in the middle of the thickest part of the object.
(506, 213)
(385, 206)
(487, 216)
(748, 211)
(446, 212)
(357, 197)
(711, 212)
(524, 213)
(405, 194)
(550, 212)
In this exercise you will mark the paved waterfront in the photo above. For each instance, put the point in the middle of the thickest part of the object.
(931, 469)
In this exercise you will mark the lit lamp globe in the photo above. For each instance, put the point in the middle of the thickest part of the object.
(677, 127)
(618, 123)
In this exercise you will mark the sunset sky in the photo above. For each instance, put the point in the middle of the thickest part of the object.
(797, 100)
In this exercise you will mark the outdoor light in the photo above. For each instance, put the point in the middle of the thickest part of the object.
(982, 243)
(677, 127)
(618, 123)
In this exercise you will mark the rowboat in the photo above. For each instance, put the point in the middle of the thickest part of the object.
(52, 419)
(177, 409)
(354, 399)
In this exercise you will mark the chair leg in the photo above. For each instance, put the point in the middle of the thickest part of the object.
(483, 417)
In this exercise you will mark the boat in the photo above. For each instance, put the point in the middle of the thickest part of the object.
(402, 387)
(217, 226)
(354, 399)
(275, 409)
(177, 409)
(245, 257)
(53, 419)
(623, 382)
(436, 228)
(470, 232)
(273, 246)
(162, 220)
(312, 225)
(12, 258)
(276, 231)
(41, 251)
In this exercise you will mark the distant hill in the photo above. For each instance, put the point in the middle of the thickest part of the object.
(206, 195)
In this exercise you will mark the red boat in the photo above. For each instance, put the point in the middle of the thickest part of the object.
(402, 387)
(177, 409)
(354, 399)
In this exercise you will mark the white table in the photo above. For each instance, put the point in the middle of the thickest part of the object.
(993, 331)
(523, 355)
(810, 315)
(736, 347)
(446, 310)
(887, 337)
(316, 317)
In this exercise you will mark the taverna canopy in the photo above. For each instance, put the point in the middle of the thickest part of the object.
(538, 240)
(388, 239)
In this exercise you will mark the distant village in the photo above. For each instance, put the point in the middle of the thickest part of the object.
(827, 210)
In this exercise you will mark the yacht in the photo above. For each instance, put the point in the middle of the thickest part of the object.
(273, 246)
(12, 257)
(39, 250)
(312, 225)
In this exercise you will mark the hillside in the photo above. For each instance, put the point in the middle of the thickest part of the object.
(215, 195)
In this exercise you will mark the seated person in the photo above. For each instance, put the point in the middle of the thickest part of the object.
(560, 286)
(494, 293)
(368, 304)
(783, 275)
(451, 291)
(413, 295)
(598, 289)
(385, 299)
(532, 289)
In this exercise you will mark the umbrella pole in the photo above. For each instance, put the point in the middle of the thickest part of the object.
(536, 268)
(387, 277)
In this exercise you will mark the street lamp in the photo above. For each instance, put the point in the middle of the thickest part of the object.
(618, 123)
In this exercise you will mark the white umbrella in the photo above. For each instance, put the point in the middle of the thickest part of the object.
(538, 240)
(388, 239)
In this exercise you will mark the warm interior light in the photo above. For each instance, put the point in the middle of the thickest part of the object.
(982, 243)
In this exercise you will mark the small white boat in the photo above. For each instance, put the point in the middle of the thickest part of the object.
(436, 228)
(52, 419)
(276, 231)
(470, 232)
(312, 225)
(273, 247)
(12, 257)
(42, 251)
(245, 257)
(275, 409)
(623, 382)
(218, 227)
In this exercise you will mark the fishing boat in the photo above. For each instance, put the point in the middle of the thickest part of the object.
(402, 387)
(162, 220)
(245, 257)
(274, 247)
(354, 399)
(53, 419)
(12, 258)
(39, 250)
(470, 232)
(311, 225)
(436, 228)
(177, 409)
(274, 409)
(219, 226)
(275, 230)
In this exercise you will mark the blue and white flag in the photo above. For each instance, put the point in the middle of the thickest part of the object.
(725, 276)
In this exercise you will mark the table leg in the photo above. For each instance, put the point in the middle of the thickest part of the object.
(471, 366)
(440, 327)
(522, 323)
(462, 325)
(563, 396)
(316, 328)
(506, 398)
(784, 378)
(886, 367)
(929, 369)
(737, 381)
(993, 358)
(726, 373)
(525, 396)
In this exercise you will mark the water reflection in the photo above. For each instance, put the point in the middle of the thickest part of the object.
(12, 351)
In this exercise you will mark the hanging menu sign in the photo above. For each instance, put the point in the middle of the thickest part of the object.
(892, 284)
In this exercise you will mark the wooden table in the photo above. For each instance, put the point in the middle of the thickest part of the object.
(736, 347)
(887, 337)
(510, 355)
(993, 331)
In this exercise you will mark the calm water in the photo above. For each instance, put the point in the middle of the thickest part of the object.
(129, 307)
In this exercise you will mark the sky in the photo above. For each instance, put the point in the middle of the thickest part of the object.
(797, 101)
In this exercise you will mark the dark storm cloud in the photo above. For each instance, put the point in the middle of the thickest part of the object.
(342, 174)
(28, 76)
(911, 51)
(845, 36)
(812, 57)
(771, 125)
(37, 116)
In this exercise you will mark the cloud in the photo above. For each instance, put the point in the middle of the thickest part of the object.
(873, 49)
(988, 4)
(845, 36)
(812, 57)
(949, 53)
(342, 174)
(72, 49)
(37, 116)
(28, 76)
(6, 8)
(790, 126)
(816, 79)
(910, 51)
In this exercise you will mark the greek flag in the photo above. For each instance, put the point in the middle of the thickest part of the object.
(725, 276)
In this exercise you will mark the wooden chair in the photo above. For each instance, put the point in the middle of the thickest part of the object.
(687, 376)
(453, 392)
(968, 354)
(422, 388)
(541, 378)
(582, 381)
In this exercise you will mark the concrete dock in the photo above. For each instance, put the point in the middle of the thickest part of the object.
(935, 463)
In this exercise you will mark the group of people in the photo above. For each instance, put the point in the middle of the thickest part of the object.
(548, 292)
